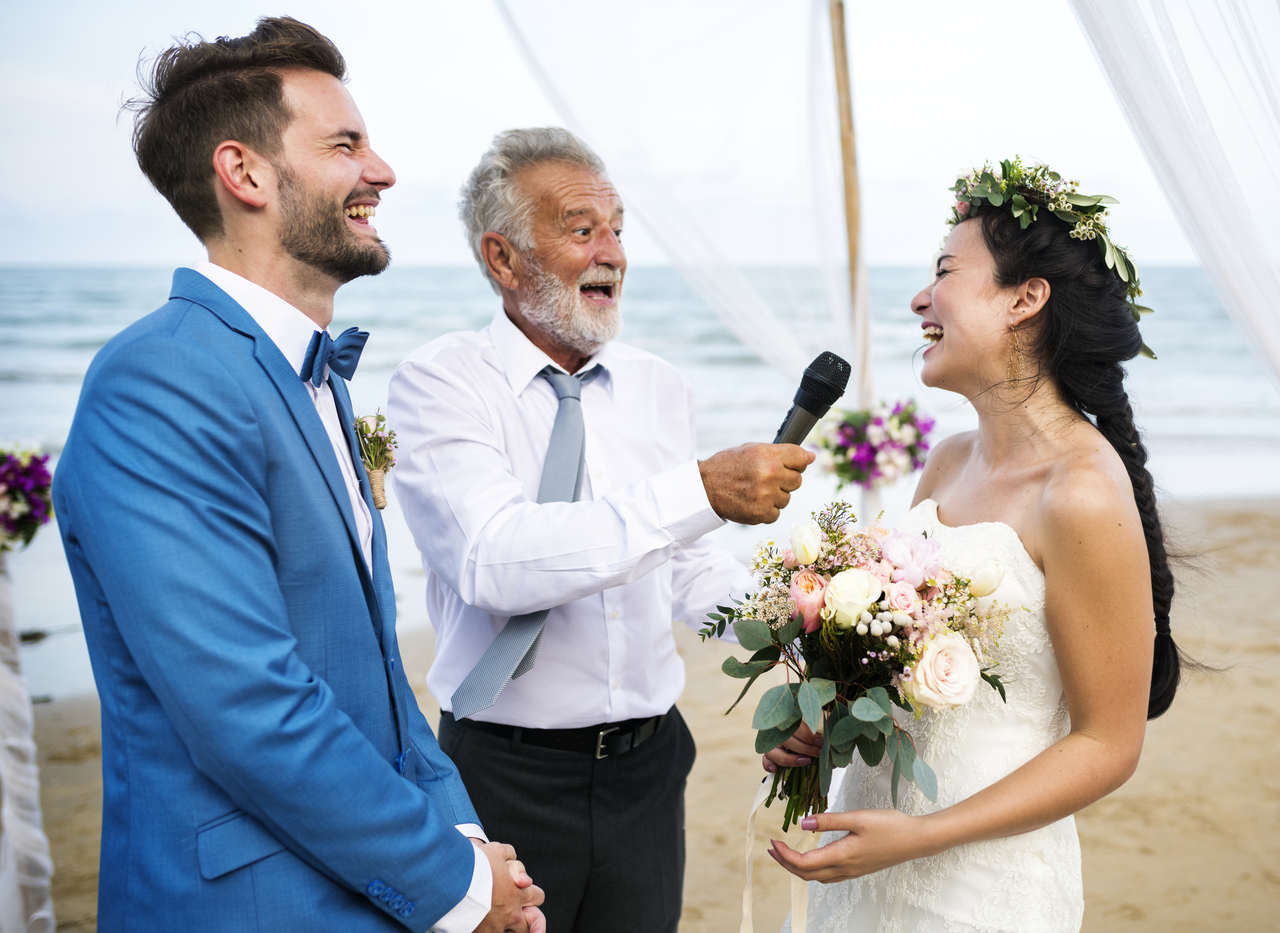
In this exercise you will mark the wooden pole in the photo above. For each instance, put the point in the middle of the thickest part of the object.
(852, 209)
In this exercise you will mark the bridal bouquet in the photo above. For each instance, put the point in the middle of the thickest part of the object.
(861, 621)
(873, 447)
(25, 502)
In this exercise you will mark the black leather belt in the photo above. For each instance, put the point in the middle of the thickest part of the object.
(602, 741)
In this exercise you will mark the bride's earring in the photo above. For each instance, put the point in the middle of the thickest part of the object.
(1013, 368)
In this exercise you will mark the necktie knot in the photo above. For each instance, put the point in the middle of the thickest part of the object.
(340, 355)
(567, 386)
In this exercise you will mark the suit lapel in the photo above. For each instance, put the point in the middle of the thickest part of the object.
(195, 287)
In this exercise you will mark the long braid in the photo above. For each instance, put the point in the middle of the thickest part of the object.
(1084, 333)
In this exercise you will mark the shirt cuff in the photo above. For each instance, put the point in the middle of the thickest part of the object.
(683, 505)
(472, 831)
(470, 912)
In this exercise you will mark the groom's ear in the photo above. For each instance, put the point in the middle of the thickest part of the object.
(242, 174)
(1028, 299)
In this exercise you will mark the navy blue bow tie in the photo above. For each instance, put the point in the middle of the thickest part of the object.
(340, 355)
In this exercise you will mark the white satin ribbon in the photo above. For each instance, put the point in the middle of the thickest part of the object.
(799, 887)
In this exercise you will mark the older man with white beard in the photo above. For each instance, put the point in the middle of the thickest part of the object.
(544, 466)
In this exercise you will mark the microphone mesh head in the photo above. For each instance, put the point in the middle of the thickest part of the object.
(826, 378)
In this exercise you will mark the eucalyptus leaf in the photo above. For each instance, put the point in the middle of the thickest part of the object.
(753, 634)
(885, 725)
(1069, 216)
(771, 653)
(769, 739)
(826, 689)
(1147, 352)
(845, 732)
(735, 668)
(810, 703)
(788, 632)
(926, 780)
(881, 696)
(995, 197)
(871, 750)
(900, 749)
(745, 688)
(1106, 199)
(866, 709)
(777, 709)
(824, 769)
(893, 783)
(840, 758)
(1083, 200)
(1108, 252)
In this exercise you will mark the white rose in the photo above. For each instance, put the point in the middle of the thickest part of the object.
(987, 578)
(849, 594)
(946, 675)
(908, 435)
(806, 541)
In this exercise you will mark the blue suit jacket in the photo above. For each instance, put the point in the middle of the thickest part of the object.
(265, 765)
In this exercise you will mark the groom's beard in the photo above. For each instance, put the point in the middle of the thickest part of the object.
(560, 310)
(316, 234)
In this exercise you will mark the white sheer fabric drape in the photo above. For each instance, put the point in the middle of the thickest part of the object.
(25, 865)
(705, 225)
(1197, 81)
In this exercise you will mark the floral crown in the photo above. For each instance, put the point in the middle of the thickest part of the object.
(1027, 189)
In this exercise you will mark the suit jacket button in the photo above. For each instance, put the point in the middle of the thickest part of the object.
(407, 910)
(375, 888)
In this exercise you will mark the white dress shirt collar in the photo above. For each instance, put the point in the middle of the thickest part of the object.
(289, 329)
(522, 361)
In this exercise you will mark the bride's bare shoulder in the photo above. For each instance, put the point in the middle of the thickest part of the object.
(1088, 487)
(943, 460)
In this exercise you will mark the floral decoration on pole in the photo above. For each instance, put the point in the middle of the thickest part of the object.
(25, 502)
(872, 448)
(378, 452)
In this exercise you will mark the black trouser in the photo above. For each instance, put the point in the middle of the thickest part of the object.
(604, 838)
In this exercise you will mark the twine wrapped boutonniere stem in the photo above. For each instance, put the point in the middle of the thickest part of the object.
(378, 452)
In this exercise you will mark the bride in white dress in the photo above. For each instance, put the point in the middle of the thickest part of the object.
(1031, 326)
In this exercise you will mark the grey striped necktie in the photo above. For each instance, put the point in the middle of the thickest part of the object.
(515, 649)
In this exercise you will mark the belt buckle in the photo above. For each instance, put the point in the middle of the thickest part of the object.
(600, 741)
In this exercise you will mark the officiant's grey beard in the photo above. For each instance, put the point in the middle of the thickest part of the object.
(560, 310)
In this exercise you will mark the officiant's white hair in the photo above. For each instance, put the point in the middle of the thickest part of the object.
(492, 202)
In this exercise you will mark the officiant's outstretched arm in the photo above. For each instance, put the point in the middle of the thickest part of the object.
(265, 765)
(549, 475)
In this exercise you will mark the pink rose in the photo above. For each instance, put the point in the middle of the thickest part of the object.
(881, 570)
(898, 548)
(789, 559)
(962, 207)
(901, 597)
(946, 674)
(809, 591)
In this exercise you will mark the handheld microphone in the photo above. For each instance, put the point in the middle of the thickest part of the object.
(821, 386)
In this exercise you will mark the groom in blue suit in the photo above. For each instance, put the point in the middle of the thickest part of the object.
(265, 765)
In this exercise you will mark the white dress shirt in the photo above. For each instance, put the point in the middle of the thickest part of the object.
(290, 330)
(473, 420)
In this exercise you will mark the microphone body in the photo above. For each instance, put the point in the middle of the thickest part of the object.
(821, 386)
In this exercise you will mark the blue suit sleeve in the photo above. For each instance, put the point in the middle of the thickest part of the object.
(165, 496)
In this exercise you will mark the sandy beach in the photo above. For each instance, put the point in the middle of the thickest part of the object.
(1192, 842)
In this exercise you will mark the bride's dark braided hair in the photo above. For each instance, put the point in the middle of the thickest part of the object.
(1083, 335)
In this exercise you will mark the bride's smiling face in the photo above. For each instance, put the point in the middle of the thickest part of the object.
(965, 316)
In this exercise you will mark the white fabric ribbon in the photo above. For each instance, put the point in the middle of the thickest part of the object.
(799, 887)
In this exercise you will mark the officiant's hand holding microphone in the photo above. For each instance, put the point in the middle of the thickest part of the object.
(752, 484)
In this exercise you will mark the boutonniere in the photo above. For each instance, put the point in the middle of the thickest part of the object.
(378, 453)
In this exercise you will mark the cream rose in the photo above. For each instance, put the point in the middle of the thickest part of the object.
(849, 594)
(806, 542)
(946, 675)
(987, 579)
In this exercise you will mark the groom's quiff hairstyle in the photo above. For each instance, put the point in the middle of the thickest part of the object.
(199, 94)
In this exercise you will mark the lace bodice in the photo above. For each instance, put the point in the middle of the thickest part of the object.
(1028, 883)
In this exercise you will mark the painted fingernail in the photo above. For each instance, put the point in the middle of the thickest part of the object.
(804, 760)
(809, 822)
(770, 767)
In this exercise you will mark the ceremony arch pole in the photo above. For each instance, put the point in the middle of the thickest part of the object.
(862, 387)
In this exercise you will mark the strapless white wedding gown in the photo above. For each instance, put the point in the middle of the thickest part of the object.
(1028, 883)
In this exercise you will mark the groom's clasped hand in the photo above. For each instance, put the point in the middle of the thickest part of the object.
(515, 897)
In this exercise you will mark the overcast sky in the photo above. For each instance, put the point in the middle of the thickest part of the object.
(939, 86)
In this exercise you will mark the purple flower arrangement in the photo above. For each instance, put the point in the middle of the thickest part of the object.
(876, 447)
(25, 503)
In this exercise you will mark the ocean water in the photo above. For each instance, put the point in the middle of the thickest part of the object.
(1210, 412)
